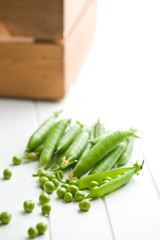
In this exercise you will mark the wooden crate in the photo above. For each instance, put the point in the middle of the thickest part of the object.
(42, 19)
(44, 70)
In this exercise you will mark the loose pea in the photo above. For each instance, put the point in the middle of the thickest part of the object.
(93, 184)
(85, 205)
(68, 197)
(49, 187)
(42, 180)
(16, 160)
(43, 173)
(51, 176)
(7, 174)
(72, 189)
(61, 191)
(32, 232)
(72, 182)
(5, 217)
(79, 196)
(65, 185)
(46, 208)
(44, 198)
(41, 227)
(55, 182)
(28, 205)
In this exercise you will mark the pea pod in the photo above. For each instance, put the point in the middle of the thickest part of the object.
(99, 151)
(124, 158)
(40, 134)
(51, 141)
(94, 141)
(99, 129)
(36, 153)
(110, 159)
(87, 148)
(115, 183)
(68, 138)
(74, 150)
(84, 183)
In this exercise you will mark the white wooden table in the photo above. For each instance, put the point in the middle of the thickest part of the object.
(119, 83)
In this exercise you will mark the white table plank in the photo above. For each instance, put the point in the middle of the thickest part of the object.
(18, 122)
(134, 209)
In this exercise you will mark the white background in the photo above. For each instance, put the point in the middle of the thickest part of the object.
(119, 83)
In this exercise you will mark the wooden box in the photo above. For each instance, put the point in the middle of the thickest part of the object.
(36, 69)
(42, 19)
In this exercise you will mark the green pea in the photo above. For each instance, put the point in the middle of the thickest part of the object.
(51, 176)
(72, 189)
(44, 198)
(7, 174)
(42, 180)
(55, 182)
(41, 227)
(16, 160)
(108, 178)
(46, 208)
(65, 185)
(68, 197)
(43, 173)
(61, 191)
(85, 205)
(79, 196)
(32, 232)
(5, 217)
(93, 184)
(72, 182)
(49, 187)
(96, 187)
(28, 205)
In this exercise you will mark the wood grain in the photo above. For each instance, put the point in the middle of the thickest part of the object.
(44, 19)
(31, 71)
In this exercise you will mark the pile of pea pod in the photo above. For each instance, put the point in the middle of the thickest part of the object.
(89, 150)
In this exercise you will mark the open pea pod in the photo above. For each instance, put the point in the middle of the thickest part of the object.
(116, 183)
(84, 183)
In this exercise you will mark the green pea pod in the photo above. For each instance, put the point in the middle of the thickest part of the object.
(74, 150)
(51, 141)
(110, 159)
(36, 153)
(99, 151)
(99, 129)
(94, 141)
(115, 183)
(125, 157)
(84, 183)
(40, 134)
(66, 140)
(88, 146)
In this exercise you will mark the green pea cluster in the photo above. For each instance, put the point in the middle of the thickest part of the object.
(38, 230)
